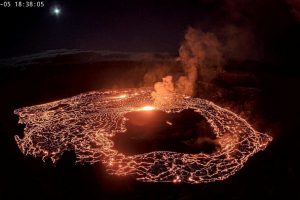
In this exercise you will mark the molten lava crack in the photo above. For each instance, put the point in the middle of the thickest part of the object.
(87, 122)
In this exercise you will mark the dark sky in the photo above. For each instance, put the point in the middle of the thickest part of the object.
(151, 25)
(122, 25)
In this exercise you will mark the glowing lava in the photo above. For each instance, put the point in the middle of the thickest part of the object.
(147, 108)
(86, 123)
(122, 96)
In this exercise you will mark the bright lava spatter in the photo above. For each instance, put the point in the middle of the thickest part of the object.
(87, 122)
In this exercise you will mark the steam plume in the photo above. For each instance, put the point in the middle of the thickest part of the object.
(163, 91)
(201, 57)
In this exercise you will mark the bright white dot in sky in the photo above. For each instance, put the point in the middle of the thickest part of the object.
(56, 11)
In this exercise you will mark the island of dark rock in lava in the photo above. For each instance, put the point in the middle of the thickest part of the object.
(87, 124)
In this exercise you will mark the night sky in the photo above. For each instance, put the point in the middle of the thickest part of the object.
(102, 25)
(149, 26)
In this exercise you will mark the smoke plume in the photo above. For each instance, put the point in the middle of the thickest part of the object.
(201, 58)
(248, 34)
(164, 91)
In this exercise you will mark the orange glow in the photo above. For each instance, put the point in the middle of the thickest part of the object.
(148, 108)
(123, 96)
(52, 128)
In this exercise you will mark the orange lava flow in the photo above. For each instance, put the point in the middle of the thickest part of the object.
(87, 122)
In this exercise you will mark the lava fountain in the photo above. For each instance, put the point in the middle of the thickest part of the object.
(86, 124)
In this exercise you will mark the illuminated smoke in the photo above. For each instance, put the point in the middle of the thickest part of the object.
(164, 91)
(201, 57)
